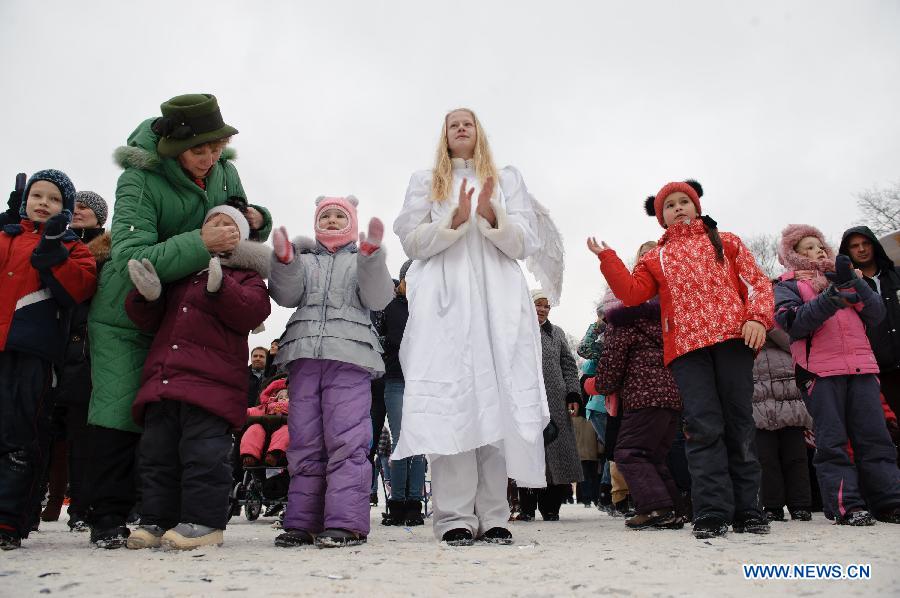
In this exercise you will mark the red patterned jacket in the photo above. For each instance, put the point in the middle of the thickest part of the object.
(703, 301)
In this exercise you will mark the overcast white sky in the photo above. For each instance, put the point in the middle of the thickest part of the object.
(782, 110)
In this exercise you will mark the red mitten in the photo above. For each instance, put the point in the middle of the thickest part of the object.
(284, 249)
(370, 244)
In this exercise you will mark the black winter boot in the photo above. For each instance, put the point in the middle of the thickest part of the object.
(414, 514)
(395, 513)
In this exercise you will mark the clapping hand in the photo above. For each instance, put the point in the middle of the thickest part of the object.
(484, 208)
(369, 244)
(464, 208)
(284, 249)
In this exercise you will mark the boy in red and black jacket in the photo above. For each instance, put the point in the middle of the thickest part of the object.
(46, 270)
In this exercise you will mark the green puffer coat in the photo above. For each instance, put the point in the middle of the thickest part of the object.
(158, 214)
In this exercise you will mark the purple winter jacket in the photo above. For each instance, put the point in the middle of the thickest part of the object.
(839, 345)
(200, 351)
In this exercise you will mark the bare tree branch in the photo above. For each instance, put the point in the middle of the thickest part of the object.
(765, 249)
(880, 209)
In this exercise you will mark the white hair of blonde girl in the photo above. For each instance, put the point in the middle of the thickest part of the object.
(442, 173)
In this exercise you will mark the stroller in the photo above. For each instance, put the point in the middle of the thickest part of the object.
(259, 486)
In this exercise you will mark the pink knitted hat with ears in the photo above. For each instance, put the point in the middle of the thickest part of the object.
(333, 239)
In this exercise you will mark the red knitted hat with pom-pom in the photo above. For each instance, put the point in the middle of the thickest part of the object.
(654, 204)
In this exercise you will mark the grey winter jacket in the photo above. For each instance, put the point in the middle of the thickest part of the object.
(333, 294)
(776, 399)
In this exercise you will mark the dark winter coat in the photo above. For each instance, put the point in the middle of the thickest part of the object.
(40, 289)
(200, 350)
(395, 316)
(777, 402)
(885, 337)
(561, 383)
(74, 386)
(631, 364)
(254, 386)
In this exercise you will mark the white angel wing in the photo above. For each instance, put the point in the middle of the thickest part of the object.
(548, 264)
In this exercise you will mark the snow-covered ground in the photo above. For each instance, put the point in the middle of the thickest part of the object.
(586, 553)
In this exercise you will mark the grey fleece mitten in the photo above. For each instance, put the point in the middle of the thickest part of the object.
(214, 280)
(145, 279)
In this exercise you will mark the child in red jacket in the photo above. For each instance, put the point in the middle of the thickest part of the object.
(46, 270)
(194, 387)
(716, 305)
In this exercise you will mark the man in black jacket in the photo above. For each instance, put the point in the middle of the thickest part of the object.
(256, 374)
(867, 254)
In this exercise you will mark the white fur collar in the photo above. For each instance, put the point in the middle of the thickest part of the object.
(250, 255)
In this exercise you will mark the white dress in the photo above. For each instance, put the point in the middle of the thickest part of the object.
(471, 353)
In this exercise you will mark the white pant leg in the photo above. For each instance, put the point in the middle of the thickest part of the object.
(454, 482)
(491, 504)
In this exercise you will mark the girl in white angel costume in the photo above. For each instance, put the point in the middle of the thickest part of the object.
(471, 354)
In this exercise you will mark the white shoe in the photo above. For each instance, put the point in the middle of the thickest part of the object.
(187, 536)
(145, 536)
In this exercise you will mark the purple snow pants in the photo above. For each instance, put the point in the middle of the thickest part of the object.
(330, 435)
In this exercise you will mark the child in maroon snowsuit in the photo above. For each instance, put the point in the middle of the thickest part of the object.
(332, 354)
(194, 387)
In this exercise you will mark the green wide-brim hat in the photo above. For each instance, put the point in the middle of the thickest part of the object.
(188, 121)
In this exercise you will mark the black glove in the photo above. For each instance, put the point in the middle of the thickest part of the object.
(550, 433)
(11, 216)
(55, 227)
(50, 251)
(843, 275)
(838, 296)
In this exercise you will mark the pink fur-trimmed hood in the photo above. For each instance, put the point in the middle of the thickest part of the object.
(788, 256)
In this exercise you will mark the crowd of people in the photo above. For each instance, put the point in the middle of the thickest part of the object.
(125, 388)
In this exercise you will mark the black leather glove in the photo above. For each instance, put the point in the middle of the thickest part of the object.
(843, 274)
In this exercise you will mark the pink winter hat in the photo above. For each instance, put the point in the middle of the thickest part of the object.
(332, 239)
(793, 234)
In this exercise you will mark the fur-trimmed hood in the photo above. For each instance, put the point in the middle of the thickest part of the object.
(250, 255)
(140, 151)
(619, 315)
(788, 256)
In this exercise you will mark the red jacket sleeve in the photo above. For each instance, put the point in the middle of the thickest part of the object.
(631, 288)
(74, 279)
(760, 305)
(241, 305)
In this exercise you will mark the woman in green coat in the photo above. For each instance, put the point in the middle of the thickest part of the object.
(176, 169)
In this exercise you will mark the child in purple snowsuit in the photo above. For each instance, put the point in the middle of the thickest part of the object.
(332, 354)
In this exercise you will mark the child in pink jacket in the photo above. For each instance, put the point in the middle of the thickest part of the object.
(825, 307)
(274, 400)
